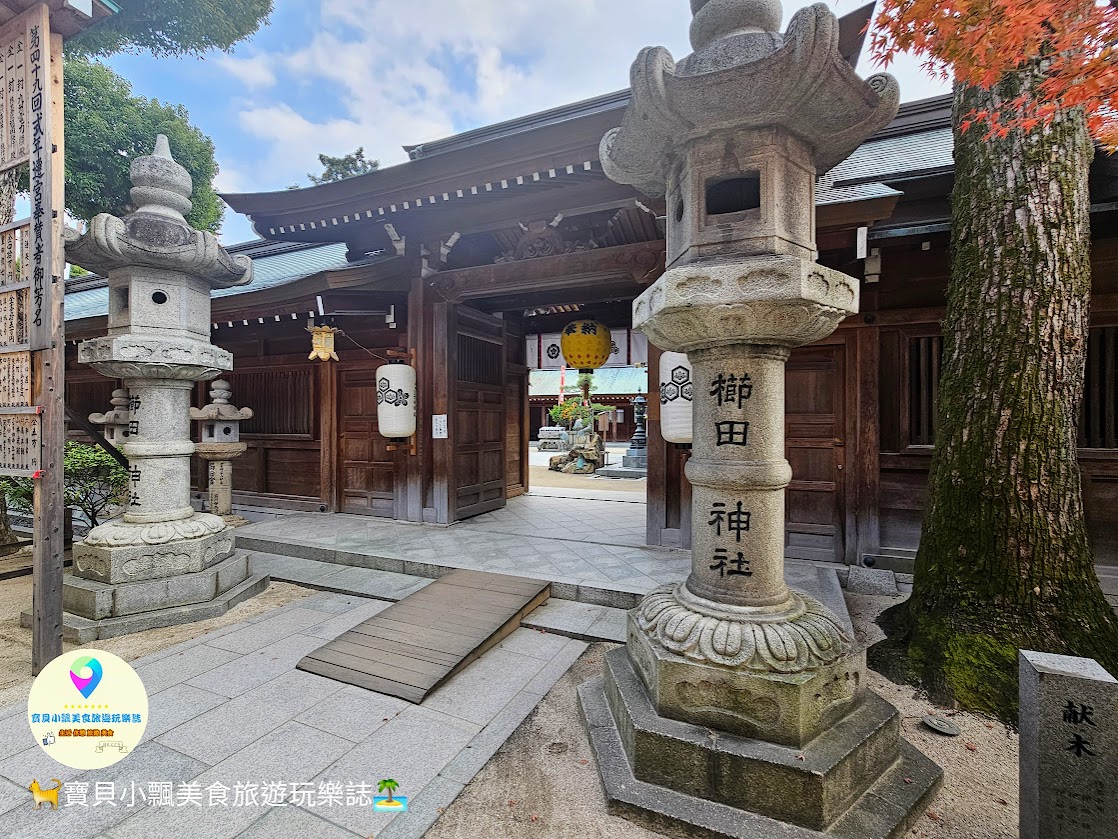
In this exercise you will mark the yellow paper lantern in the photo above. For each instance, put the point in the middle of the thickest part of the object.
(586, 345)
(322, 346)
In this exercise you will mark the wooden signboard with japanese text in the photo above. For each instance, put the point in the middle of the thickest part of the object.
(32, 340)
(30, 248)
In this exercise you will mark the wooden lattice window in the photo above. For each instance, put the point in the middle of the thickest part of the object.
(925, 356)
(1098, 426)
(282, 401)
(482, 362)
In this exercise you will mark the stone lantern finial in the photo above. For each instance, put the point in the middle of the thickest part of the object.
(717, 19)
(160, 185)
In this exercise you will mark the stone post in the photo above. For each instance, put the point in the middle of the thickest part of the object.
(732, 137)
(1069, 748)
(161, 563)
(220, 445)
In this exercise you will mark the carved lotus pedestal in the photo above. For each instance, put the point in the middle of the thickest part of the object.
(782, 677)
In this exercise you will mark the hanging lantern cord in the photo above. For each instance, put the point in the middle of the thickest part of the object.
(366, 349)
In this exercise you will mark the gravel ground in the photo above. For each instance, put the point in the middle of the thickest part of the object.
(15, 641)
(543, 782)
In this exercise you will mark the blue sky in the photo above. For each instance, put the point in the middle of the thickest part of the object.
(332, 75)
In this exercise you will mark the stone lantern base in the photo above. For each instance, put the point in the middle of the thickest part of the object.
(118, 589)
(856, 780)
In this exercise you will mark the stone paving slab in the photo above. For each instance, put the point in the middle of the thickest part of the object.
(181, 666)
(581, 621)
(353, 713)
(256, 668)
(221, 732)
(176, 705)
(582, 543)
(148, 763)
(294, 822)
(291, 751)
(11, 796)
(289, 727)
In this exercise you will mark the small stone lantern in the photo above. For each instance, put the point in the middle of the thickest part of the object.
(116, 420)
(221, 444)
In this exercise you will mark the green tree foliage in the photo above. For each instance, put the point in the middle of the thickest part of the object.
(107, 127)
(94, 483)
(173, 27)
(340, 168)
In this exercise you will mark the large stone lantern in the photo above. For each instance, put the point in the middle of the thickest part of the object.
(740, 703)
(160, 563)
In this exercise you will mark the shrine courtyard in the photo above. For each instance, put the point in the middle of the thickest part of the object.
(497, 751)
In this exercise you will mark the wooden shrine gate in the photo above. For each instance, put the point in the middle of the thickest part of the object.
(475, 376)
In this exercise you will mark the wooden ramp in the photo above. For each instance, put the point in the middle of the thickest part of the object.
(415, 645)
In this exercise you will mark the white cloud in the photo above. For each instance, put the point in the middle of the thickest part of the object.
(407, 73)
(253, 72)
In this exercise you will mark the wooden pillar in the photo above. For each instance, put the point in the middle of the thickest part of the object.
(443, 376)
(49, 380)
(669, 491)
(657, 484)
(867, 452)
(417, 477)
(327, 388)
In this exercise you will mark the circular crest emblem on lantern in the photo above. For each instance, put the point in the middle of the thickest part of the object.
(586, 344)
(676, 392)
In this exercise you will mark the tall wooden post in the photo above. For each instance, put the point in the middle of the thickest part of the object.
(49, 363)
(32, 346)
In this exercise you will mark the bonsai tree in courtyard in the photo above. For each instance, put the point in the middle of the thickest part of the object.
(95, 482)
(569, 411)
(1004, 560)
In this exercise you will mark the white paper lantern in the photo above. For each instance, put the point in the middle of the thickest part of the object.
(676, 392)
(396, 398)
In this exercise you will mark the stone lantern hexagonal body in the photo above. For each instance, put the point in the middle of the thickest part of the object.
(733, 137)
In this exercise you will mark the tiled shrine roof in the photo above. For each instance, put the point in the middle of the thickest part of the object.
(273, 265)
(607, 381)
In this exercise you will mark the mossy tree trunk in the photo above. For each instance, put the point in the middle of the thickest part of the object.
(1004, 561)
(9, 186)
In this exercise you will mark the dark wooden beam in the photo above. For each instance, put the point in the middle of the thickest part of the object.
(641, 264)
